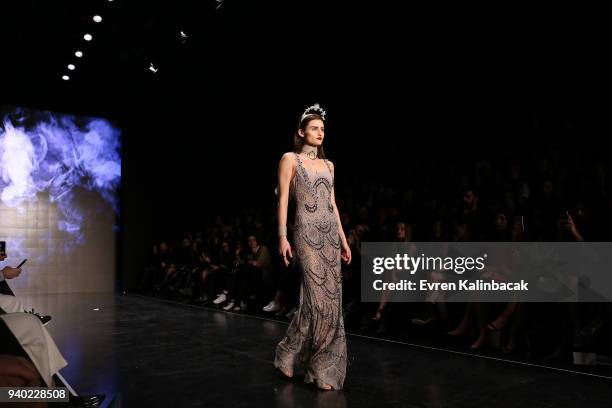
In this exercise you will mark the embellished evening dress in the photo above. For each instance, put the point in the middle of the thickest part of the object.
(315, 339)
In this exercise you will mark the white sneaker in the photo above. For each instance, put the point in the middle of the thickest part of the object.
(237, 309)
(229, 306)
(220, 299)
(271, 307)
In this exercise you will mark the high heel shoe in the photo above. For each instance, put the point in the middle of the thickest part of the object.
(374, 322)
(284, 373)
(480, 342)
(378, 315)
(498, 324)
(507, 350)
(324, 387)
(422, 321)
(457, 333)
(477, 345)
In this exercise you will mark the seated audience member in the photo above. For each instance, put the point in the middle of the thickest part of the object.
(30, 357)
(9, 303)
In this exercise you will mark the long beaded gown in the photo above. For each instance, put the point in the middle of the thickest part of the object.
(315, 339)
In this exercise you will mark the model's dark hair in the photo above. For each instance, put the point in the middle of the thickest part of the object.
(298, 141)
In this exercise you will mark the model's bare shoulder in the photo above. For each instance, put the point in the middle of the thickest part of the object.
(287, 163)
(287, 158)
(287, 155)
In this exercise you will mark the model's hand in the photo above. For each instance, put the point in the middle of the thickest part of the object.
(284, 248)
(346, 253)
(10, 272)
(573, 229)
(567, 224)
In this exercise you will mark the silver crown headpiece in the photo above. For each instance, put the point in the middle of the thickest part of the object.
(314, 109)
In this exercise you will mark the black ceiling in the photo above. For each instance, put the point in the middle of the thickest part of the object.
(226, 99)
(260, 56)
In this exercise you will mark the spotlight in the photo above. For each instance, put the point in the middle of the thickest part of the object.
(78, 54)
(65, 77)
(97, 19)
(152, 68)
(219, 4)
(71, 67)
(88, 37)
(183, 37)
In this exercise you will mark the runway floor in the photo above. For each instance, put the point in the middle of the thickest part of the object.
(144, 352)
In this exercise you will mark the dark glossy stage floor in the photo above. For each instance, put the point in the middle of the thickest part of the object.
(152, 353)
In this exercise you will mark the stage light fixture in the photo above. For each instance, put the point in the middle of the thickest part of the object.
(183, 37)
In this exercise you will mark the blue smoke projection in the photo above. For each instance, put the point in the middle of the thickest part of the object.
(59, 181)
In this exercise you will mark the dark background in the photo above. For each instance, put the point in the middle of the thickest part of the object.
(204, 134)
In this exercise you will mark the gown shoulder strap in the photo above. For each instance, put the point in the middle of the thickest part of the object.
(330, 170)
(302, 171)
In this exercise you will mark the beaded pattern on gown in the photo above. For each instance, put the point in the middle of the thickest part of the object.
(315, 339)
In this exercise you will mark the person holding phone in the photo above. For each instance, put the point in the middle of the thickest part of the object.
(9, 303)
(567, 230)
(8, 272)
